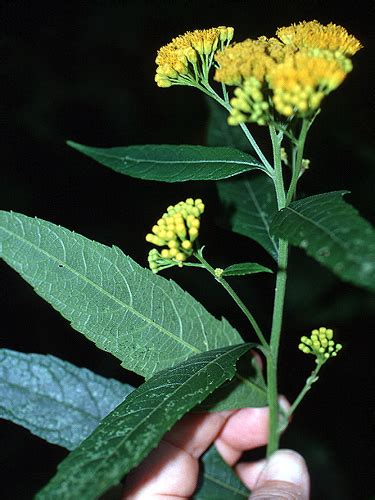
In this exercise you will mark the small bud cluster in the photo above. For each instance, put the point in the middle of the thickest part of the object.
(187, 59)
(320, 344)
(249, 104)
(177, 230)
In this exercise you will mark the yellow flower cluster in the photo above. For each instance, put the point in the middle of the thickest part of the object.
(300, 83)
(313, 35)
(320, 344)
(187, 58)
(177, 229)
(291, 74)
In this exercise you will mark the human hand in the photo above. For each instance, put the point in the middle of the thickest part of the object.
(171, 470)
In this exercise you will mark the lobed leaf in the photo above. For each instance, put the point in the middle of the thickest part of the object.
(245, 268)
(136, 426)
(146, 321)
(218, 480)
(54, 399)
(170, 163)
(332, 232)
(251, 205)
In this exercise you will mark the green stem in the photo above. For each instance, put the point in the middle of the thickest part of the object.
(272, 359)
(309, 382)
(208, 90)
(236, 298)
(298, 162)
(278, 173)
(273, 439)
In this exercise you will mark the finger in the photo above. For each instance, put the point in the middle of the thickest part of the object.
(284, 475)
(172, 468)
(244, 430)
(167, 471)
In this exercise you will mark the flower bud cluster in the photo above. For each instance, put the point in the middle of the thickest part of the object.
(187, 58)
(320, 344)
(176, 230)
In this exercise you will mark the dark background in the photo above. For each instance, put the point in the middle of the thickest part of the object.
(84, 71)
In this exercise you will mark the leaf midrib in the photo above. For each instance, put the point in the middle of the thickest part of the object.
(173, 162)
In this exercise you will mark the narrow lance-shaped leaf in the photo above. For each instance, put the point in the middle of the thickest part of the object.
(332, 232)
(218, 480)
(244, 268)
(137, 425)
(251, 205)
(170, 163)
(146, 321)
(54, 399)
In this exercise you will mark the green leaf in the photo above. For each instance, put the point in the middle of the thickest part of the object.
(146, 321)
(219, 133)
(170, 163)
(251, 205)
(245, 268)
(246, 389)
(332, 232)
(135, 427)
(218, 480)
(54, 399)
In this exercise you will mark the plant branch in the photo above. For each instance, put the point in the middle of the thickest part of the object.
(208, 90)
(298, 160)
(235, 297)
(309, 382)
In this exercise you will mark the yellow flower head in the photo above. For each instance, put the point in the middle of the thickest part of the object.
(313, 35)
(176, 230)
(246, 65)
(250, 59)
(290, 74)
(299, 83)
(320, 344)
(187, 58)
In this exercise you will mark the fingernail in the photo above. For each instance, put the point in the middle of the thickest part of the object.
(284, 403)
(285, 465)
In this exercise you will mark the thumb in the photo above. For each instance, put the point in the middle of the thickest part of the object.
(285, 476)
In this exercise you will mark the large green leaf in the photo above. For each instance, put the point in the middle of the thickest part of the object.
(219, 133)
(137, 425)
(54, 399)
(218, 480)
(332, 232)
(146, 321)
(169, 163)
(251, 204)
